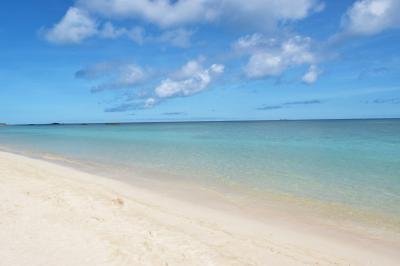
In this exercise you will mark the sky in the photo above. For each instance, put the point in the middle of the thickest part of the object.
(78, 61)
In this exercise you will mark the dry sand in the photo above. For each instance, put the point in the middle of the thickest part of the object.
(55, 215)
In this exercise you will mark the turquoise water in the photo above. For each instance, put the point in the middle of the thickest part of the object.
(351, 162)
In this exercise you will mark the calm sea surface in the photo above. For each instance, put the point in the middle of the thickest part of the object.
(354, 163)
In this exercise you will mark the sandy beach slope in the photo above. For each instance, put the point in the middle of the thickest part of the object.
(54, 215)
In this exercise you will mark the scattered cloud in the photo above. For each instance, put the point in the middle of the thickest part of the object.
(162, 12)
(368, 17)
(270, 57)
(192, 78)
(76, 26)
(91, 18)
(113, 75)
(165, 13)
(312, 75)
(177, 37)
(267, 55)
(150, 102)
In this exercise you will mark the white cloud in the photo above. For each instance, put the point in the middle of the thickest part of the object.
(270, 57)
(312, 74)
(77, 25)
(74, 27)
(190, 79)
(262, 14)
(263, 64)
(109, 31)
(161, 12)
(113, 75)
(150, 102)
(253, 41)
(191, 68)
(367, 17)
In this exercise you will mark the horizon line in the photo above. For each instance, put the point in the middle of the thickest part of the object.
(190, 121)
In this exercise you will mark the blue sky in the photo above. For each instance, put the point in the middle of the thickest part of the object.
(160, 60)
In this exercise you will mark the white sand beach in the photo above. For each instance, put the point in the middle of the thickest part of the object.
(55, 215)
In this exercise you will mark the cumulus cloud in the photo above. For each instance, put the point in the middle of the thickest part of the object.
(75, 26)
(113, 75)
(259, 14)
(312, 75)
(271, 57)
(91, 18)
(368, 17)
(78, 25)
(161, 12)
(262, 64)
(190, 79)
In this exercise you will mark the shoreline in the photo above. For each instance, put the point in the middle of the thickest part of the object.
(238, 199)
(67, 210)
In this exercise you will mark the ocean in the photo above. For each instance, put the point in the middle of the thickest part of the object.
(349, 163)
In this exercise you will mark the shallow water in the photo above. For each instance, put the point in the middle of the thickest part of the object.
(354, 163)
